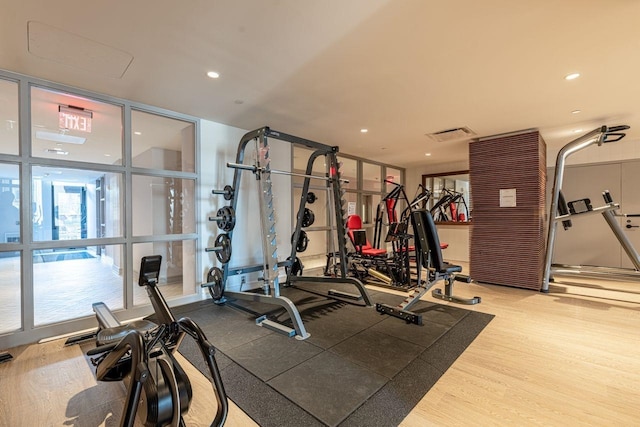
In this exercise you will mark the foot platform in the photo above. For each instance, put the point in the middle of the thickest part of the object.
(408, 316)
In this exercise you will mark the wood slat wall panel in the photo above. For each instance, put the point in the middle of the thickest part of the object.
(507, 243)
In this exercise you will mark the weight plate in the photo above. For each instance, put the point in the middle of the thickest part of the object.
(296, 267)
(311, 197)
(303, 241)
(223, 248)
(226, 218)
(228, 192)
(308, 218)
(217, 289)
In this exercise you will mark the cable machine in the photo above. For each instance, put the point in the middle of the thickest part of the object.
(563, 212)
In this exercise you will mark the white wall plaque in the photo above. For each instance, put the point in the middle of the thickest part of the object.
(508, 198)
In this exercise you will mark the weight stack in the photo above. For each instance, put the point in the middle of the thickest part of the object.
(508, 182)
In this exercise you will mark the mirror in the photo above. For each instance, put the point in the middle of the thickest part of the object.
(449, 196)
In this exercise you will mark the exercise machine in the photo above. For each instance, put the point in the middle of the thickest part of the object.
(141, 353)
(429, 256)
(563, 212)
(270, 292)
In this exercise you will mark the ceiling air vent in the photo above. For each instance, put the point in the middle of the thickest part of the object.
(454, 134)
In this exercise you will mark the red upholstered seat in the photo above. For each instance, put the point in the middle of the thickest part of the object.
(354, 222)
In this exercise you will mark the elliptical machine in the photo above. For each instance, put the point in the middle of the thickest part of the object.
(141, 353)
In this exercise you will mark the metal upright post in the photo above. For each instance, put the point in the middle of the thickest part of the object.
(267, 215)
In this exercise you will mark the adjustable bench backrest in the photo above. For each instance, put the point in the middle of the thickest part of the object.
(426, 237)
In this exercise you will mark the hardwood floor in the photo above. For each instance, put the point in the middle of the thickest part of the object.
(563, 358)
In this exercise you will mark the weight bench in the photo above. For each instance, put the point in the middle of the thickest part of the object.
(429, 256)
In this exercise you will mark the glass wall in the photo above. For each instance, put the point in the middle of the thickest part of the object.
(160, 142)
(162, 205)
(177, 273)
(10, 278)
(67, 281)
(363, 195)
(71, 204)
(9, 203)
(10, 121)
(108, 182)
(69, 127)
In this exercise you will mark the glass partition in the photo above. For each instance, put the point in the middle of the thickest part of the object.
(9, 203)
(371, 177)
(162, 205)
(160, 142)
(10, 279)
(177, 272)
(349, 171)
(70, 204)
(9, 125)
(70, 127)
(67, 281)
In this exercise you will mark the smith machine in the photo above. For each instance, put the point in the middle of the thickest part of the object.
(225, 218)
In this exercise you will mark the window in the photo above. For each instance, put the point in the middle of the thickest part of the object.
(9, 124)
(68, 280)
(9, 203)
(106, 184)
(163, 205)
(69, 127)
(371, 177)
(11, 313)
(160, 142)
(70, 204)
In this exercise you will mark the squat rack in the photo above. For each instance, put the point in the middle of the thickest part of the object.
(271, 288)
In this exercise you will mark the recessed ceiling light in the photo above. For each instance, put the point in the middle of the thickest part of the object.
(213, 74)
(107, 155)
(137, 133)
(364, 130)
(577, 130)
(572, 76)
(576, 112)
(427, 154)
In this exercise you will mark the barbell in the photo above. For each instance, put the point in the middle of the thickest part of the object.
(261, 169)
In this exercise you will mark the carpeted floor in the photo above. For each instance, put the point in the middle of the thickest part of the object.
(357, 368)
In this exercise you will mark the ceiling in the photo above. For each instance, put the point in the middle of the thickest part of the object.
(323, 70)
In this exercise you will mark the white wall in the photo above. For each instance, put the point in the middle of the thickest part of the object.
(219, 145)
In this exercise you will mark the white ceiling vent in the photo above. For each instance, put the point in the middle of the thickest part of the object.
(454, 134)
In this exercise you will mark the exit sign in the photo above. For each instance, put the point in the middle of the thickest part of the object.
(74, 118)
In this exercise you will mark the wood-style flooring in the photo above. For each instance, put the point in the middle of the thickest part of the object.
(570, 357)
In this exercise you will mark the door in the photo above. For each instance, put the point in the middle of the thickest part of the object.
(630, 204)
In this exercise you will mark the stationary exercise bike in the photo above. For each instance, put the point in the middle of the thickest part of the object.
(141, 354)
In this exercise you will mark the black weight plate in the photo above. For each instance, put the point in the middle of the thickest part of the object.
(226, 218)
(311, 197)
(308, 218)
(217, 289)
(228, 192)
(303, 242)
(223, 248)
(296, 267)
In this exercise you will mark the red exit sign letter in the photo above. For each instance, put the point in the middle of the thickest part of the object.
(74, 118)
